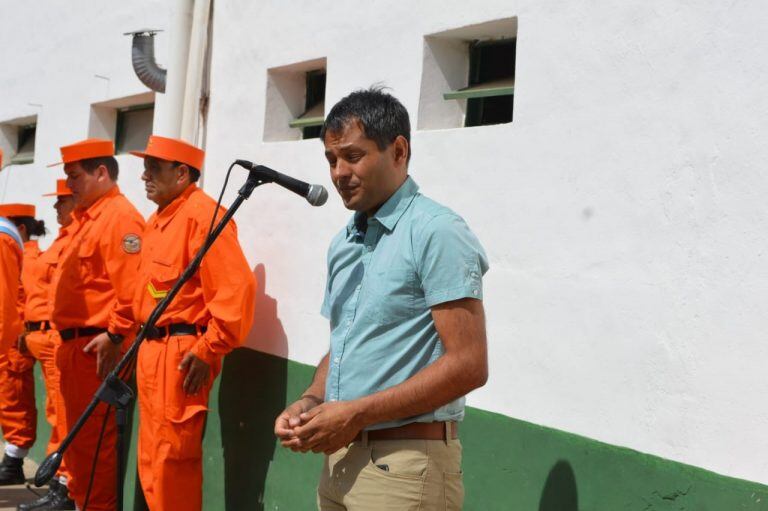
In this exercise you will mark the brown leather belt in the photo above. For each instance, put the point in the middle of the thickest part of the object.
(73, 333)
(413, 431)
(36, 326)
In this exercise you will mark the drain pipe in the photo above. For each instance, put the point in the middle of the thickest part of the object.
(195, 93)
(168, 111)
(143, 57)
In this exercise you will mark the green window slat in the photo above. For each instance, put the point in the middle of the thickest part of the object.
(20, 159)
(306, 122)
(477, 92)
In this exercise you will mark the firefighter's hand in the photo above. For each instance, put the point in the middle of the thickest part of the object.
(198, 373)
(107, 354)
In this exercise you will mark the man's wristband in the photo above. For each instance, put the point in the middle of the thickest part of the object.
(115, 338)
(316, 399)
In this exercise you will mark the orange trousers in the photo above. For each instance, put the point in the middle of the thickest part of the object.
(170, 427)
(79, 382)
(42, 345)
(18, 413)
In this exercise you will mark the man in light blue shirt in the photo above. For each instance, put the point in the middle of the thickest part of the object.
(404, 300)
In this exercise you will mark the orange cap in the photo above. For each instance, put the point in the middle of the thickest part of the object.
(10, 210)
(171, 149)
(61, 189)
(86, 149)
(1, 158)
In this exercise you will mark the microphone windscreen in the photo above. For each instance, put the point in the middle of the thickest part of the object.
(317, 195)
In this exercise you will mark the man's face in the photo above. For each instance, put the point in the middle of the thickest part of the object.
(364, 175)
(86, 188)
(164, 180)
(64, 206)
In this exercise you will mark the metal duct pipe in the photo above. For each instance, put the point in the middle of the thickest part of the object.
(143, 57)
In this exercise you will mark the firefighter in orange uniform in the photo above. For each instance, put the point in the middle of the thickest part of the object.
(18, 415)
(209, 317)
(41, 342)
(93, 286)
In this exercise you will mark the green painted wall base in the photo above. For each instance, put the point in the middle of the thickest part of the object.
(509, 464)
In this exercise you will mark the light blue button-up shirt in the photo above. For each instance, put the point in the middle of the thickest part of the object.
(384, 274)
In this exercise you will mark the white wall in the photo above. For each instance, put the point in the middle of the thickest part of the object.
(50, 56)
(622, 210)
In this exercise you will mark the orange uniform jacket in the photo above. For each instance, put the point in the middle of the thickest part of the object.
(94, 282)
(219, 296)
(10, 276)
(39, 287)
(35, 306)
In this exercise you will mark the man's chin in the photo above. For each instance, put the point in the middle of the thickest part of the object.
(352, 204)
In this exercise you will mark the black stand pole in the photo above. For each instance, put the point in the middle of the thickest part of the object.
(121, 414)
(113, 390)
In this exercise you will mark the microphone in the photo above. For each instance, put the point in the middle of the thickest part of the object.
(315, 194)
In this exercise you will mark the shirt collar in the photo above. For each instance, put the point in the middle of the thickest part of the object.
(390, 212)
(162, 218)
(95, 209)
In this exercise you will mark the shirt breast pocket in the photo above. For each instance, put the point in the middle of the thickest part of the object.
(391, 296)
(163, 275)
(86, 255)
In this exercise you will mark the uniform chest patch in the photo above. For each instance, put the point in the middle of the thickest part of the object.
(132, 244)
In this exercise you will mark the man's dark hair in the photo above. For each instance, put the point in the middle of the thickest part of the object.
(91, 164)
(33, 227)
(194, 174)
(382, 117)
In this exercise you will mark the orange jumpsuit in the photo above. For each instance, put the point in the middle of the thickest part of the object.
(42, 344)
(93, 287)
(219, 297)
(18, 413)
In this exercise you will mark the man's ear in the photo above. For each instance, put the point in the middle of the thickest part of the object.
(401, 149)
(102, 172)
(182, 173)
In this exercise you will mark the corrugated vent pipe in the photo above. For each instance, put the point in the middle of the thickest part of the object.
(143, 56)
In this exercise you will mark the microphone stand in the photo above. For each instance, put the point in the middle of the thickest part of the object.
(113, 390)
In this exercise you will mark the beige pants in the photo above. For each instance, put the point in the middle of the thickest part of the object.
(423, 475)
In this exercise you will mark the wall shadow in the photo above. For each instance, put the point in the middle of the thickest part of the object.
(560, 493)
(267, 333)
(252, 393)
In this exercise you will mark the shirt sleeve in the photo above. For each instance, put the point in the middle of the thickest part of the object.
(450, 260)
(229, 291)
(10, 276)
(121, 249)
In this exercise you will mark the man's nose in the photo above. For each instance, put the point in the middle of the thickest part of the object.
(341, 170)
